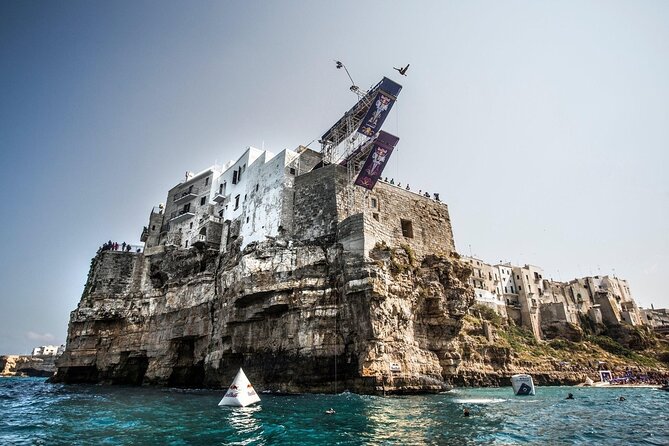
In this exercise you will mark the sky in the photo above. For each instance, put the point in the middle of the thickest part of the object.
(544, 125)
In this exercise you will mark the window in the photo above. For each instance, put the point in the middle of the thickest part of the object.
(375, 216)
(186, 243)
(407, 228)
(247, 219)
(186, 207)
(239, 174)
(206, 181)
(190, 188)
(292, 171)
(203, 200)
(234, 177)
(373, 201)
(245, 197)
(153, 228)
(257, 186)
(243, 169)
(191, 225)
(236, 202)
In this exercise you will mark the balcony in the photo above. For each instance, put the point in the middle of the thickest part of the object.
(181, 215)
(220, 198)
(199, 239)
(145, 234)
(185, 196)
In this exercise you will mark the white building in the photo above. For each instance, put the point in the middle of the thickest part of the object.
(48, 350)
(249, 198)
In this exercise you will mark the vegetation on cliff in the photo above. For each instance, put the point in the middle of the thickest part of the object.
(558, 360)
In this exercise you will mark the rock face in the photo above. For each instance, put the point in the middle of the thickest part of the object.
(361, 295)
(24, 365)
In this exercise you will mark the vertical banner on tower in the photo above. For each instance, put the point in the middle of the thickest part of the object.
(376, 114)
(376, 160)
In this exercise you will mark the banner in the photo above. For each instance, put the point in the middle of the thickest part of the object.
(376, 114)
(376, 160)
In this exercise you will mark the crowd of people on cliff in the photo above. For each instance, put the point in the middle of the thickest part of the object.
(115, 246)
(628, 376)
(425, 194)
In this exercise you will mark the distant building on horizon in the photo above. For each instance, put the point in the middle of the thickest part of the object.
(522, 295)
(48, 350)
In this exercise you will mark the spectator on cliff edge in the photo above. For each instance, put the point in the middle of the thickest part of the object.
(392, 181)
(408, 188)
(123, 246)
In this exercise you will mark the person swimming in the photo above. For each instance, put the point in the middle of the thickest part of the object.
(570, 396)
(465, 412)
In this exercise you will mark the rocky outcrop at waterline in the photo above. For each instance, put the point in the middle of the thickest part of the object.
(299, 317)
(27, 365)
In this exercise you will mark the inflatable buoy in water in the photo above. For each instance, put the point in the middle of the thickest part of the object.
(522, 384)
(240, 393)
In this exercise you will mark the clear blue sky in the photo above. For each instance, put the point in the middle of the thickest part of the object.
(544, 125)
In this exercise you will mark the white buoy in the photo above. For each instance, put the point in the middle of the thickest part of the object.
(522, 384)
(240, 393)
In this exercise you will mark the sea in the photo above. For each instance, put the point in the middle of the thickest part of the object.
(35, 412)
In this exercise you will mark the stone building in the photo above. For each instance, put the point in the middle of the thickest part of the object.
(493, 285)
(262, 195)
(48, 350)
(543, 306)
(250, 198)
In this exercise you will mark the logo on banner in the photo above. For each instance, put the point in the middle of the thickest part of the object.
(376, 114)
(376, 160)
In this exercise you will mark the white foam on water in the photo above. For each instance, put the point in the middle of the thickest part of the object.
(479, 400)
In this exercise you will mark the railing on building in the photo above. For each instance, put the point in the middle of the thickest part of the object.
(181, 214)
(186, 195)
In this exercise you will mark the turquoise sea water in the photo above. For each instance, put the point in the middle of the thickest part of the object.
(33, 411)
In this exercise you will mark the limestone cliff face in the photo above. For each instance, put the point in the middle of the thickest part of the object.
(297, 316)
(26, 365)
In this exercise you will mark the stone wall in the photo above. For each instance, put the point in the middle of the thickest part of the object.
(396, 216)
(315, 206)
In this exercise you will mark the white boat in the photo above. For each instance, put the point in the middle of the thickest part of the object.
(240, 393)
(522, 384)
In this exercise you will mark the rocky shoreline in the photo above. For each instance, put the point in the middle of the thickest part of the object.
(27, 365)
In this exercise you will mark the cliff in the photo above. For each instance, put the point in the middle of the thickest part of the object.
(311, 316)
(26, 365)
